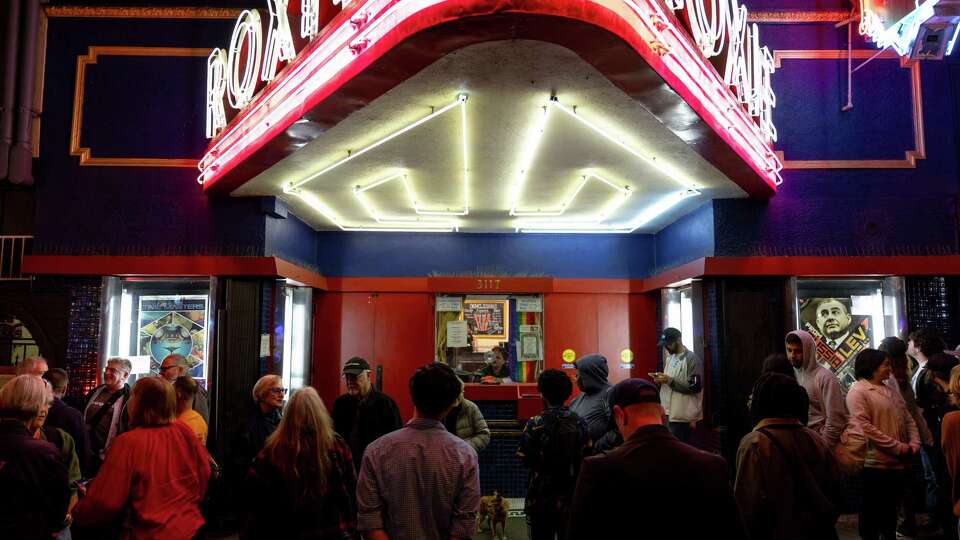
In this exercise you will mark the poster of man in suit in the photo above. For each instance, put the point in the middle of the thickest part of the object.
(839, 334)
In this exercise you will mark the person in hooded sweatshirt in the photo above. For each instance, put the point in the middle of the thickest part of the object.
(828, 410)
(593, 403)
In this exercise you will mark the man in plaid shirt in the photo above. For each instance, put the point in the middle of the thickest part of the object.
(421, 482)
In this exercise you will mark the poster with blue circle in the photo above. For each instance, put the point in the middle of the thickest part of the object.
(174, 324)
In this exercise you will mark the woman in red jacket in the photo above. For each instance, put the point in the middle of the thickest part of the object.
(154, 476)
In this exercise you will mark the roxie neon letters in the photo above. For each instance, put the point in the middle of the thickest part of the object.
(233, 73)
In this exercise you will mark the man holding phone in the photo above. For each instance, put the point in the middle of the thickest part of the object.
(681, 386)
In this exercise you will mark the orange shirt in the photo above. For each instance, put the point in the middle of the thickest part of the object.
(195, 422)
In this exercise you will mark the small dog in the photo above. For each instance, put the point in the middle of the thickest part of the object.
(494, 508)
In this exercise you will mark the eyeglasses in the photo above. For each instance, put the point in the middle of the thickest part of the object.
(164, 368)
(278, 391)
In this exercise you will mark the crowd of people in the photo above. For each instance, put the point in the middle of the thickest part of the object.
(618, 461)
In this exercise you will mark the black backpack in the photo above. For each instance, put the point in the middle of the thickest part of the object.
(562, 451)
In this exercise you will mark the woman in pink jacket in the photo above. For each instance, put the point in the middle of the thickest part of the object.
(878, 411)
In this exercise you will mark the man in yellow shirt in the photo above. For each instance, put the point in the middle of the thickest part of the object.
(187, 389)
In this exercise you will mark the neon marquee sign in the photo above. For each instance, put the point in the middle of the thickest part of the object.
(738, 103)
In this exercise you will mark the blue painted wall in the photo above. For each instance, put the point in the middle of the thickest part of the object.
(690, 237)
(150, 107)
(419, 254)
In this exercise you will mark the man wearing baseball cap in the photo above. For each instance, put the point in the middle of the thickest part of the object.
(363, 414)
(652, 485)
(681, 386)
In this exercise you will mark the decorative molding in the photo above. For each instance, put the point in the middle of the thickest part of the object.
(797, 16)
(86, 159)
(910, 156)
(105, 12)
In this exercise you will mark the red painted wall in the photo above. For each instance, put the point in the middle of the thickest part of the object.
(394, 330)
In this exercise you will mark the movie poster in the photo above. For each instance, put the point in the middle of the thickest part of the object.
(486, 318)
(839, 334)
(172, 324)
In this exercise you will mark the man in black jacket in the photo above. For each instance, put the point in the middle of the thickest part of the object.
(653, 485)
(363, 414)
(66, 417)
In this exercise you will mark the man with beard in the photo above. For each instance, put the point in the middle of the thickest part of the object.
(833, 321)
(681, 386)
(363, 414)
(828, 408)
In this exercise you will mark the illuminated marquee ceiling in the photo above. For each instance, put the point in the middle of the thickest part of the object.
(603, 163)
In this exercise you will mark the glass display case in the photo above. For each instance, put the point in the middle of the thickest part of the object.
(296, 336)
(146, 320)
(848, 315)
(469, 327)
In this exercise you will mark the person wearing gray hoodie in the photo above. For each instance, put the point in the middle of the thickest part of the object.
(828, 408)
(593, 403)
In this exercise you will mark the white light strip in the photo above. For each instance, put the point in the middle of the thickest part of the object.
(359, 193)
(668, 171)
(624, 194)
(314, 202)
(526, 158)
(395, 224)
(577, 227)
(461, 99)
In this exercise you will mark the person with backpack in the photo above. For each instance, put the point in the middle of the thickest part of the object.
(788, 483)
(553, 445)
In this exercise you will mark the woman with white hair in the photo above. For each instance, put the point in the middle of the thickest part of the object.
(34, 487)
(303, 483)
(262, 420)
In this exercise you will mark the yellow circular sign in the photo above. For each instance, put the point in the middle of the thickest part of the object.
(626, 356)
(569, 355)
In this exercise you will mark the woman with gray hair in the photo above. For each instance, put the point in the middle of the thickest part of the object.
(34, 487)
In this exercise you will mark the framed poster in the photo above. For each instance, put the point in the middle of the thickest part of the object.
(486, 318)
(839, 334)
(174, 324)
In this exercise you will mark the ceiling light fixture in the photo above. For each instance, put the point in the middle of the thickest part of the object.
(360, 194)
(624, 193)
(581, 227)
(396, 224)
(314, 202)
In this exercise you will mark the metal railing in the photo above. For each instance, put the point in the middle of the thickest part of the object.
(12, 250)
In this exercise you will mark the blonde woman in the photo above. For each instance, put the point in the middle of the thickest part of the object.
(262, 419)
(34, 488)
(303, 484)
(154, 476)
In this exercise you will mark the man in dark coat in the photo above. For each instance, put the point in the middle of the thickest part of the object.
(652, 486)
(66, 417)
(363, 414)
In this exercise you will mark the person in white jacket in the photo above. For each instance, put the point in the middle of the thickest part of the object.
(681, 386)
(878, 412)
(828, 412)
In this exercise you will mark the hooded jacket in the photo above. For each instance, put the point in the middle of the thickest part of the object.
(593, 402)
(682, 396)
(828, 410)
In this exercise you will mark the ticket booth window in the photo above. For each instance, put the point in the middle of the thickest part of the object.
(469, 327)
(148, 320)
(845, 316)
